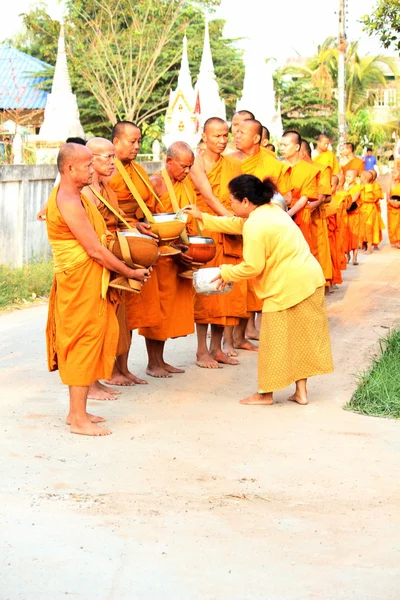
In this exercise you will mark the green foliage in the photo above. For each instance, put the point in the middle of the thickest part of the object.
(384, 22)
(378, 391)
(24, 284)
(363, 132)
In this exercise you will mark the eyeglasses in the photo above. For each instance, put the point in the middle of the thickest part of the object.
(106, 156)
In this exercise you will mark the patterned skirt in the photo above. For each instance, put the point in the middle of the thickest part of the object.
(294, 344)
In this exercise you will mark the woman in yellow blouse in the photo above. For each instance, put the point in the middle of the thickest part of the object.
(294, 340)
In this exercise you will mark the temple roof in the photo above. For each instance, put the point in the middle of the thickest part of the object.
(19, 78)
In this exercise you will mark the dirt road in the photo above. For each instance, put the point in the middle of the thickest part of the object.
(195, 497)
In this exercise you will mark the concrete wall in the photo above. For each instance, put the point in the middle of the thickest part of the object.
(23, 191)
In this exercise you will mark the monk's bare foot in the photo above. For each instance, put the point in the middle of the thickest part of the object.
(299, 399)
(92, 419)
(126, 379)
(156, 371)
(230, 350)
(246, 345)
(171, 369)
(105, 388)
(368, 252)
(355, 263)
(88, 428)
(252, 334)
(257, 399)
(223, 358)
(206, 361)
(96, 393)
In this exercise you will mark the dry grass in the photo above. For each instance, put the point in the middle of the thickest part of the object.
(25, 284)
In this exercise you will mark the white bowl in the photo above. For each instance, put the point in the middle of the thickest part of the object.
(202, 282)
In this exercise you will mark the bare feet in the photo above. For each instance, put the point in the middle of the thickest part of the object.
(157, 371)
(171, 369)
(97, 392)
(88, 428)
(246, 345)
(206, 361)
(105, 388)
(368, 252)
(92, 419)
(298, 398)
(230, 350)
(223, 358)
(252, 334)
(125, 379)
(355, 263)
(256, 399)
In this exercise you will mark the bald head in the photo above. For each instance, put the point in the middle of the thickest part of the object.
(180, 158)
(103, 156)
(126, 137)
(305, 149)
(178, 149)
(121, 129)
(213, 121)
(238, 118)
(247, 114)
(293, 135)
(70, 154)
(265, 136)
(215, 135)
(248, 136)
(290, 146)
(323, 143)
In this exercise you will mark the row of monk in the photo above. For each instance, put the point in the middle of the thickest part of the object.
(103, 189)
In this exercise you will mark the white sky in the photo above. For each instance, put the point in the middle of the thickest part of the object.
(282, 28)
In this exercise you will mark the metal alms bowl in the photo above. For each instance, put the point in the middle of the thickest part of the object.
(201, 249)
(166, 226)
(202, 282)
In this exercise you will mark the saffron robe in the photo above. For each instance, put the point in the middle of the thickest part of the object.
(341, 201)
(176, 293)
(353, 224)
(393, 212)
(143, 310)
(333, 218)
(320, 246)
(328, 159)
(303, 181)
(224, 309)
(371, 224)
(355, 164)
(82, 329)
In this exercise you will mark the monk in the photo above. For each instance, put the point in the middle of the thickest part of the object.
(256, 161)
(265, 137)
(370, 224)
(353, 231)
(175, 190)
(333, 213)
(218, 310)
(394, 210)
(379, 195)
(350, 161)
(302, 182)
(341, 201)
(132, 187)
(237, 120)
(82, 329)
(99, 190)
(324, 155)
(319, 229)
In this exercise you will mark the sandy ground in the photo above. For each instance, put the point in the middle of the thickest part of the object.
(195, 497)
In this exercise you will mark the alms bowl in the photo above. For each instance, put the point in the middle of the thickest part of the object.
(202, 282)
(143, 249)
(166, 226)
(201, 249)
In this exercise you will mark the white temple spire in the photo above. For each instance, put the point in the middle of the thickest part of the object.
(61, 81)
(184, 77)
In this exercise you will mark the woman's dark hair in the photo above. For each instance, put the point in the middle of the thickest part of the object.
(256, 191)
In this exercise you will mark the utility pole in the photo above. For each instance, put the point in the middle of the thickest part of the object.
(342, 47)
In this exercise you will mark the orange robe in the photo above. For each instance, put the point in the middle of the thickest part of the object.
(379, 195)
(112, 225)
(320, 246)
(176, 293)
(82, 329)
(223, 309)
(355, 164)
(334, 216)
(353, 224)
(143, 310)
(328, 159)
(394, 217)
(302, 181)
(371, 224)
(263, 165)
(341, 201)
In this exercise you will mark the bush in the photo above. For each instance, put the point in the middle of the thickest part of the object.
(26, 283)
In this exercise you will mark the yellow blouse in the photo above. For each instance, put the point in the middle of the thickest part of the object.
(275, 254)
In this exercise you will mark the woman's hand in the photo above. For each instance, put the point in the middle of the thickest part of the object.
(193, 211)
(142, 275)
(221, 285)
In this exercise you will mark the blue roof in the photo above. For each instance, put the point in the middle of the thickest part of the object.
(18, 80)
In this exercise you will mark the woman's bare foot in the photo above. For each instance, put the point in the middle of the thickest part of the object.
(157, 371)
(98, 392)
(206, 361)
(223, 358)
(170, 368)
(92, 419)
(300, 399)
(86, 427)
(257, 399)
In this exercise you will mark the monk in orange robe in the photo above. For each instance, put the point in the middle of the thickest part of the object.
(353, 230)
(258, 161)
(175, 190)
(143, 310)
(370, 219)
(319, 229)
(82, 328)
(325, 156)
(302, 183)
(394, 210)
(237, 120)
(379, 195)
(341, 201)
(217, 310)
(350, 161)
(334, 214)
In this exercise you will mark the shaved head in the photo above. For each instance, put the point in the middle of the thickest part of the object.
(120, 129)
(71, 153)
(179, 149)
(322, 136)
(306, 148)
(244, 113)
(296, 137)
(254, 126)
(100, 145)
(265, 134)
(126, 137)
(213, 121)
